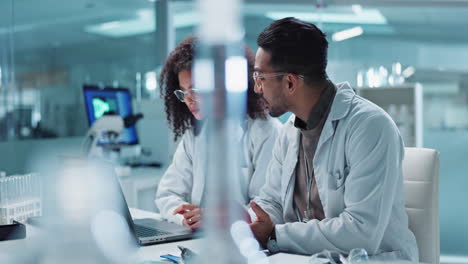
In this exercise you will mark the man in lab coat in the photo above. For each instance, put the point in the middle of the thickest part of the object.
(335, 178)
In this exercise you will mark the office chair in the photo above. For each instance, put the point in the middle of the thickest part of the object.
(421, 182)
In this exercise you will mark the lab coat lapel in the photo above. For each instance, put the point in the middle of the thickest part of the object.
(288, 175)
(339, 109)
(321, 158)
(200, 165)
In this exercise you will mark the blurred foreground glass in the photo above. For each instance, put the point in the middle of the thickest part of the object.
(82, 218)
(221, 77)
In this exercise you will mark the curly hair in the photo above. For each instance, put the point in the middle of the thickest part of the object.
(181, 58)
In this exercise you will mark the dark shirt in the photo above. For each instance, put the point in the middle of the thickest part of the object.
(305, 178)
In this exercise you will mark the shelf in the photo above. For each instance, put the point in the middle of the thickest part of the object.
(405, 105)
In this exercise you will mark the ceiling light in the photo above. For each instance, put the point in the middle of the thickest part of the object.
(186, 19)
(145, 14)
(366, 16)
(347, 34)
(122, 28)
(357, 9)
(144, 23)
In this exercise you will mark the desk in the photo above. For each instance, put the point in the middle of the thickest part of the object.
(9, 248)
(153, 252)
(144, 253)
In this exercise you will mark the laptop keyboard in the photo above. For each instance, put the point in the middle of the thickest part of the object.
(143, 231)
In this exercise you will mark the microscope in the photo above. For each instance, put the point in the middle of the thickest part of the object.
(107, 128)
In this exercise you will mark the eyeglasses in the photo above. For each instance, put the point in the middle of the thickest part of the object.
(191, 94)
(259, 78)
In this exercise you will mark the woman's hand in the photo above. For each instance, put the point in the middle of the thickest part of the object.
(192, 215)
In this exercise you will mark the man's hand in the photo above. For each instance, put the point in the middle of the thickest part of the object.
(263, 226)
(192, 215)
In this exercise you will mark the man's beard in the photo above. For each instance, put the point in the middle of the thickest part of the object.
(280, 108)
(276, 112)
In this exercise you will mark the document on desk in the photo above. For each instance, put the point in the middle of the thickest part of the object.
(282, 258)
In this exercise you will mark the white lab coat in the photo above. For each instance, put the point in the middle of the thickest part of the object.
(358, 170)
(184, 180)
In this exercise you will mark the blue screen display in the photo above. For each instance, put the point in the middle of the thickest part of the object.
(110, 100)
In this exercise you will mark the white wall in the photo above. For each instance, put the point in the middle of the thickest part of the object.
(20, 156)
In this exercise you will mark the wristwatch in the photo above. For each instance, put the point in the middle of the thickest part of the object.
(272, 245)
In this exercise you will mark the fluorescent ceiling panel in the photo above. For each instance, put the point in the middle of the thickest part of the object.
(347, 34)
(122, 28)
(185, 19)
(143, 24)
(364, 16)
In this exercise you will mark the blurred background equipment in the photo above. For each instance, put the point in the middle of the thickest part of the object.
(107, 128)
(15, 230)
(112, 134)
(20, 198)
(111, 101)
(404, 104)
(48, 49)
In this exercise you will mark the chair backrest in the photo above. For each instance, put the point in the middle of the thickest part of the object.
(421, 181)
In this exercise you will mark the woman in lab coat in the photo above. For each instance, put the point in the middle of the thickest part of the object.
(180, 197)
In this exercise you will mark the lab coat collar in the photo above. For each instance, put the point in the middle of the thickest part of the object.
(341, 103)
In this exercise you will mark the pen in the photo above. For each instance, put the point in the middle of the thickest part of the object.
(186, 254)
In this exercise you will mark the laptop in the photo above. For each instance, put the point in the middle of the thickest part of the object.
(150, 231)
(146, 231)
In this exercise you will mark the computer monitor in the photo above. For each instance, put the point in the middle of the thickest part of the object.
(99, 101)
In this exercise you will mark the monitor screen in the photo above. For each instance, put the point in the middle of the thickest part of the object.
(110, 100)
